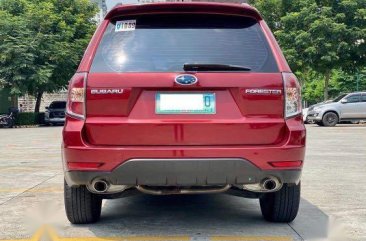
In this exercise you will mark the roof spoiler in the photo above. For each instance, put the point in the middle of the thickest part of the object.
(191, 7)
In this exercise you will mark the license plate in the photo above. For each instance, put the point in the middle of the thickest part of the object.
(185, 103)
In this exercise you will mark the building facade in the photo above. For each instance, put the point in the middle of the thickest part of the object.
(28, 102)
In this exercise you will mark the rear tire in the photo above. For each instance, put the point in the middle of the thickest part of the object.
(82, 206)
(330, 119)
(281, 206)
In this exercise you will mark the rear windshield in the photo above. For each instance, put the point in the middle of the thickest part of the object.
(58, 105)
(165, 43)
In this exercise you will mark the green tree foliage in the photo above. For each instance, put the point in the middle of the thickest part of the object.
(320, 36)
(42, 42)
(343, 82)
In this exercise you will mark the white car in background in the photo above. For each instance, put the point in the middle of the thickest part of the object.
(305, 116)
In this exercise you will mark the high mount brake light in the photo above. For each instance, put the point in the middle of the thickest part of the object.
(76, 96)
(292, 95)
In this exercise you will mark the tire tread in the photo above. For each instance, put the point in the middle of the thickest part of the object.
(283, 205)
(81, 206)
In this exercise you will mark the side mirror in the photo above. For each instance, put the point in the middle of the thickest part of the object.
(344, 101)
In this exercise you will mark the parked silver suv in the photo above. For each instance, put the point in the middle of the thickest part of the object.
(346, 107)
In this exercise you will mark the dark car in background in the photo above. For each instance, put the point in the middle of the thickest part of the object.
(55, 113)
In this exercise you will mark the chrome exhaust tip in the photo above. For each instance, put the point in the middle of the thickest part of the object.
(268, 184)
(100, 186)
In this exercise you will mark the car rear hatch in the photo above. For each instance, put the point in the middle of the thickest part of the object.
(138, 91)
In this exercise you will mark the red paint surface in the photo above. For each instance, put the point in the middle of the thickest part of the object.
(121, 127)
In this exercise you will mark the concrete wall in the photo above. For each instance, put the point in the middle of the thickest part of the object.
(29, 102)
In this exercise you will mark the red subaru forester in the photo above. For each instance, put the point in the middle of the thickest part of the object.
(183, 98)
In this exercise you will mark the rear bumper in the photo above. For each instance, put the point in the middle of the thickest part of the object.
(315, 116)
(179, 165)
(183, 172)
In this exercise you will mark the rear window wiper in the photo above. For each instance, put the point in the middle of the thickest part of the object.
(214, 67)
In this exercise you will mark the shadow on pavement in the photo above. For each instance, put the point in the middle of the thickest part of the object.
(202, 215)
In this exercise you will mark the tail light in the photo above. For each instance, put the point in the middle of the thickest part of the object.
(76, 96)
(292, 95)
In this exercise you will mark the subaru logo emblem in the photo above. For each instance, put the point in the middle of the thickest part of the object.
(186, 79)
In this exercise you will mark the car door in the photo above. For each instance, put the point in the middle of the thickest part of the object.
(363, 105)
(351, 107)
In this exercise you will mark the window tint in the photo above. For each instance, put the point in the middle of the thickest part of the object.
(353, 98)
(58, 105)
(165, 43)
(363, 98)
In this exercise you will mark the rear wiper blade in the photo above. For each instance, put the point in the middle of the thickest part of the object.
(214, 67)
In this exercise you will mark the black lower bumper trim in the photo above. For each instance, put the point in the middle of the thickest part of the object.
(183, 172)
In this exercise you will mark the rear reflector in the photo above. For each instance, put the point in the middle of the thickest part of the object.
(84, 165)
(286, 164)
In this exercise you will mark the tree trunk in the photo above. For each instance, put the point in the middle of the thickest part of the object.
(38, 101)
(326, 85)
(14, 101)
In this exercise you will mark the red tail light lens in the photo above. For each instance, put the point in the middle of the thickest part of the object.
(76, 96)
(292, 95)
